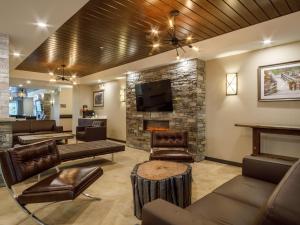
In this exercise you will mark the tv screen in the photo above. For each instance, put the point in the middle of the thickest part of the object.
(154, 96)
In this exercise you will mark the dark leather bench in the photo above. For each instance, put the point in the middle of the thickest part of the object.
(89, 149)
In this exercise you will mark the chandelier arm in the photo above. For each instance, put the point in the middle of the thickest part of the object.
(181, 47)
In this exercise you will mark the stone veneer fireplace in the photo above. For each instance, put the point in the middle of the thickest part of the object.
(188, 92)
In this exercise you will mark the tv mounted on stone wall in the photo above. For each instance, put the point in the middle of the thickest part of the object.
(154, 96)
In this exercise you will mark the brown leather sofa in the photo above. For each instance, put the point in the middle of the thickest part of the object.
(170, 145)
(267, 193)
(28, 127)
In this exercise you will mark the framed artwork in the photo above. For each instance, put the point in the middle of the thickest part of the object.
(279, 82)
(98, 97)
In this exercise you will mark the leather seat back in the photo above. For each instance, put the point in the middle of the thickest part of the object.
(165, 139)
(283, 205)
(21, 126)
(42, 125)
(23, 162)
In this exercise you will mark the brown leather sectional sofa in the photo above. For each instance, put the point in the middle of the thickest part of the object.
(28, 127)
(267, 193)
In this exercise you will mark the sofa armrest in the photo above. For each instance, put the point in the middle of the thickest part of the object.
(267, 169)
(160, 212)
(59, 129)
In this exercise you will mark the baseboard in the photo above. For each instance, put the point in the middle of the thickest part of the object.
(113, 139)
(223, 161)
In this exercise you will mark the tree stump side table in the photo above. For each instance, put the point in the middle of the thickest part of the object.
(167, 180)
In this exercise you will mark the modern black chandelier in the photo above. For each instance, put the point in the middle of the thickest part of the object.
(172, 38)
(61, 74)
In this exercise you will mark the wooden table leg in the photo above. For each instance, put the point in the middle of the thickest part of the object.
(66, 141)
(256, 141)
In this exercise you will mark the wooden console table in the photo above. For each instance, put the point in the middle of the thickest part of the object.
(270, 129)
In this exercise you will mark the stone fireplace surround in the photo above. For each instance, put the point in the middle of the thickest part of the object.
(188, 92)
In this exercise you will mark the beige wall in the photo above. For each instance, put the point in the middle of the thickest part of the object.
(65, 97)
(224, 140)
(82, 95)
(114, 109)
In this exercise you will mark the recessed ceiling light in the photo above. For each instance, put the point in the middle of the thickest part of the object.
(155, 45)
(20, 85)
(28, 82)
(189, 38)
(16, 54)
(120, 78)
(99, 81)
(101, 47)
(195, 48)
(267, 41)
(41, 24)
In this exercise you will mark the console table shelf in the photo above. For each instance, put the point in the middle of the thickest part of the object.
(257, 129)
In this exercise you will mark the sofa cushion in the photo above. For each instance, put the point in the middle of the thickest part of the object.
(42, 125)
(175, 155)
(224, 210)
(248, 190)
(65, 185)
(17, 135)
(43, 132)
(283, 206)
(21, 126)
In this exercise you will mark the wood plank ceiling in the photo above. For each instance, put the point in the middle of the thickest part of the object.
(121, 28)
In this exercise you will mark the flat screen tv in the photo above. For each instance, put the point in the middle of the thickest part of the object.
(154, 96)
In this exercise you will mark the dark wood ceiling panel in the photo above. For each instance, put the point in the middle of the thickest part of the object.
(222, 6)
(198, 13)
(217, 13)
(294, 4)
(122, 28)
(268, 7)
(255, 9)
(282, 7)
(242, 11)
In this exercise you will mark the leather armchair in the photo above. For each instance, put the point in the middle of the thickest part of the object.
(21, 163)
(170, 145)
(90, 133)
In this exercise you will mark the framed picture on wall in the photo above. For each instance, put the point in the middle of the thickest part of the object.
(98, 97)
(279, 82)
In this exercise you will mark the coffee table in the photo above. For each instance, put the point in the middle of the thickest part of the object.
(28, 139)
(167, 180)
